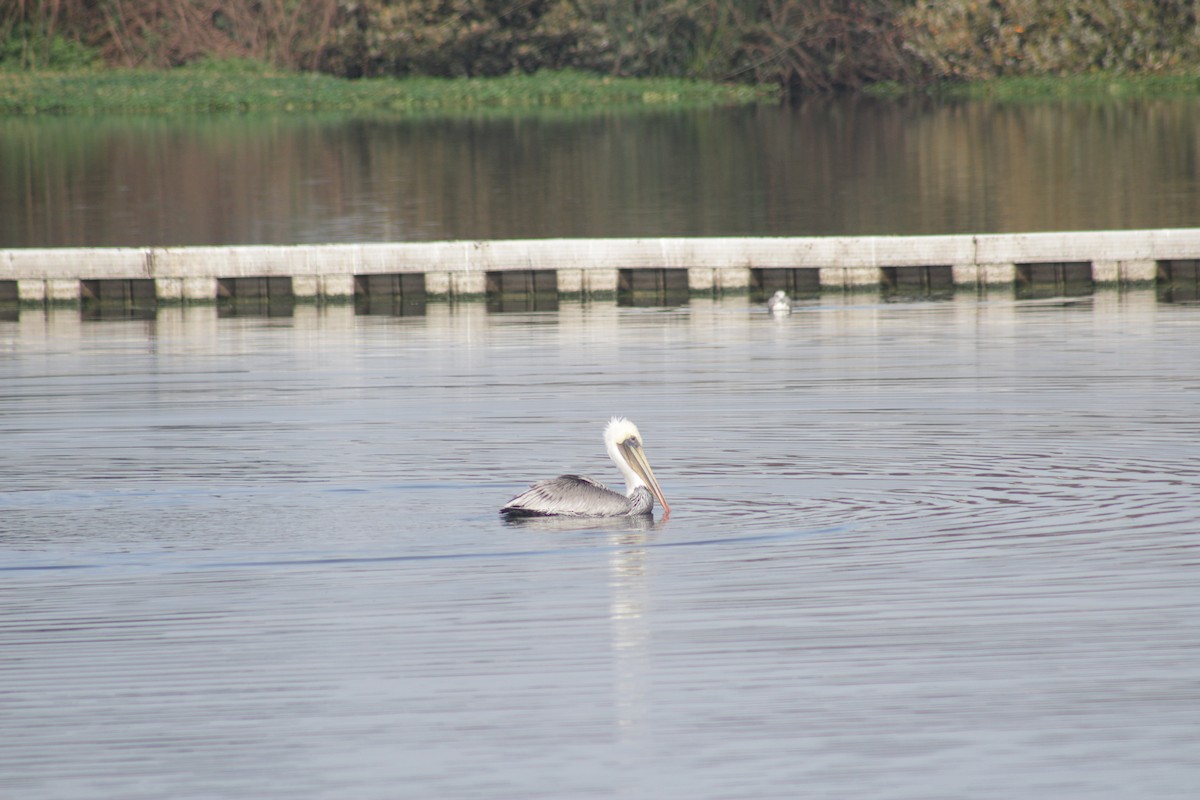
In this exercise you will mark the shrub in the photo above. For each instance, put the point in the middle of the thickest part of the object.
(802, 45)
(974, 40)
(27, 47)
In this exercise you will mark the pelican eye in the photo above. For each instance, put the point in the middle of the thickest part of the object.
(632, 442)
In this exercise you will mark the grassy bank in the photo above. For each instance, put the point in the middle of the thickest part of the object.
(235, 86)
(242, 87)
(1089, 86)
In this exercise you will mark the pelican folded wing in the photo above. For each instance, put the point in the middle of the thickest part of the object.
(568, 495)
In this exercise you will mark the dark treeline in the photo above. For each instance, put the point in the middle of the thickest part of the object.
(802, 45)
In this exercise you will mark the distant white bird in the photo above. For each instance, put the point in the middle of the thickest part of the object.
(575, 496)
(780, 303)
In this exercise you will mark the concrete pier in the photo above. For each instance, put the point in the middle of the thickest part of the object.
(596, 267)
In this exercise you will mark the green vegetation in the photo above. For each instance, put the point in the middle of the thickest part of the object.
(31, 49)
(799, 45)
(241, 87)
(1002, 48)
(967, 40)
(1087, 87)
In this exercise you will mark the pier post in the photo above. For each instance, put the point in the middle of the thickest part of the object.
(994, 274)
(306, 288)
(1124, 272)
(1106, 272)
(701, 279)
(168, 290)
(733, 279)
(337, 288)
(570, 281)
(31, 292)
(468, 284)
(437, 284)
(980, 276)
(199, 290)
(601, 281)
(60, 290)
(966, 275)
(1142, 271)
(851, 278)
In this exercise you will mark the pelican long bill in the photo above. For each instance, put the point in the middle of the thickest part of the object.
(636, 458)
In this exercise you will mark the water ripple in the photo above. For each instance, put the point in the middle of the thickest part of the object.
(265, 560)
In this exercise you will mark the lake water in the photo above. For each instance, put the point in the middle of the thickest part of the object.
(916, 550)
(841, 166)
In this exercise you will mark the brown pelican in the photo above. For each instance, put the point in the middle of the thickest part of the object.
(780, 303)
(575, 496)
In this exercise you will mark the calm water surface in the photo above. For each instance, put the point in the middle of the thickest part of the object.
(924, 550)
(842, 166)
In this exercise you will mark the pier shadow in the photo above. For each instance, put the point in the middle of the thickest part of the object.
(1179, 281)
(522, 290)
(509, 303)
(117, 299)
(10, 302)
(256, 307)
(393, 295)
(368, 305)
(800, 283)
(651, 288)
(904, 284)
(1054, 279)
(255, 297)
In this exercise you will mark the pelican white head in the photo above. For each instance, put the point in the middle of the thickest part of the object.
(623, 441)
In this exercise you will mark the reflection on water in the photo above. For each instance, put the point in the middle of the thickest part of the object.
(831, 166)
(630, 634)
(916, 550)
(1180, 281)
(568, 524)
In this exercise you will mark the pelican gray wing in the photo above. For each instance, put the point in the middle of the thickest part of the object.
(573, 496)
